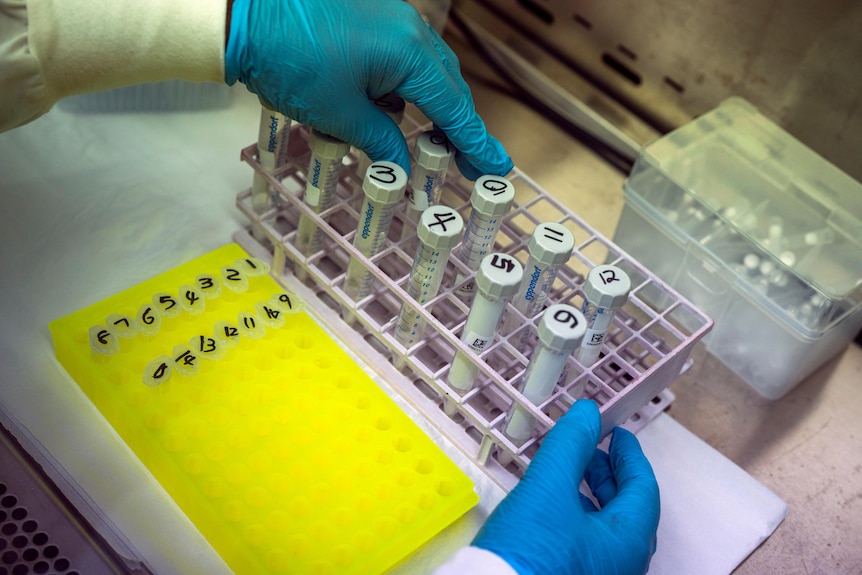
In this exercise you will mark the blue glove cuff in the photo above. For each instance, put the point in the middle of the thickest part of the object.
(237, 41)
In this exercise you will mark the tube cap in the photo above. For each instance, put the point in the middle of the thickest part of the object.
(433, 151)
(492, 195)
(326, 146)
(384, 182)
(562, 327)
(551, 244)
(607, 287)
(499, 276)
(440, 227)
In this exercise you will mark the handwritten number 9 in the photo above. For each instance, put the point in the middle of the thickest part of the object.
(566, 317)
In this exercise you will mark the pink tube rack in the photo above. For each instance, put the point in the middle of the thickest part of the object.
(648, 347)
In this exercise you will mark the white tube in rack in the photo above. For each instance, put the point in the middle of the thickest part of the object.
(605, 291)
(497, 279)
(324, 169)
(432, 156)
(384, 186)
(561, 331)
(491, 199)
(440, 228)
(273, 138)
(550, 246)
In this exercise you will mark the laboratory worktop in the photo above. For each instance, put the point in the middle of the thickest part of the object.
(95, 203)
(805, 447)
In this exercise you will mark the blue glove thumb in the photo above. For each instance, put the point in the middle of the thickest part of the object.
(546, 526)
(323, 62)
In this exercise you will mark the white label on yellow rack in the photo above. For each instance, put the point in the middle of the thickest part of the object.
(252, 266)
(250, 325)
(149, 320)
(208, 285)
(288, 302)
(227, 333)
(103, 340)
(192, 300)
(167, 305)
(269, 314)
(122, 325)
(208, 347)
(185, 361)
(234, 279)
(158, 371)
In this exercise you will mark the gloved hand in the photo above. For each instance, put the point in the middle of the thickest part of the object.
(545, 526)
(321, 62)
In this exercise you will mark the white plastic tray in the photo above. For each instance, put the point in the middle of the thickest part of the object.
(647, 349)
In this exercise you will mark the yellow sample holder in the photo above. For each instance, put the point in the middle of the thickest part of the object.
(280, 449)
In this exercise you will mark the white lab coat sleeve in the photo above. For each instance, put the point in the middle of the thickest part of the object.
(50, 49)
(475, 561)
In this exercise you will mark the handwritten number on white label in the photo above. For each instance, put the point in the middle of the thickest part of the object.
(158, 371)
(383, 173)
(496, 186)
(103, 340)
(609, 276)
(566, 317)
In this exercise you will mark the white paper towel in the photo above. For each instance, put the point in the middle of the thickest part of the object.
(713, 513)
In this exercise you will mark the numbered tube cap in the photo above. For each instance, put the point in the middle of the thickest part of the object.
(492, 195)
(384, 182)
(607, 287)
(499, 276)
(327, 147)
(551, 244)
(433, 151)
(440, 228)
(562, 328)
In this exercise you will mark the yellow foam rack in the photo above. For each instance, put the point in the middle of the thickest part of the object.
(276, 444)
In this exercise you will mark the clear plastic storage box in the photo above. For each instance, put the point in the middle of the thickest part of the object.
(759, 232)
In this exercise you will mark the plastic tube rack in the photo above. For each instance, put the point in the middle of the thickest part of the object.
(647, 348)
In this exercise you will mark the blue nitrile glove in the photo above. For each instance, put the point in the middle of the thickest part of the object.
(321, 62)
(545, 526)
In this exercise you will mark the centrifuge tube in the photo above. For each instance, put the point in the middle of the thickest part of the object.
(432, 156)
(492, 197)
(550, 247)
(324, 168)
(561, 331)
(384, 186)
(497, 279)
(440, 228)
(272, 140)
(605, 291)
(393, 106)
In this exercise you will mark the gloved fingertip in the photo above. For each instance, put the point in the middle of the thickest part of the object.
(467, 169)
(585, 409)
(600, 478)
(632, 470)
(386, 144)
(582, 417)
(572, 440)
(400, 156)
(624, 441)
(494, 161)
